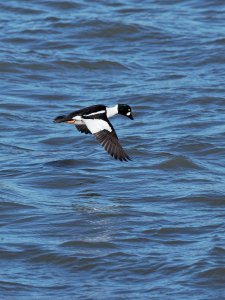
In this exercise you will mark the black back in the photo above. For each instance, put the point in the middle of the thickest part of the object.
(87, 110)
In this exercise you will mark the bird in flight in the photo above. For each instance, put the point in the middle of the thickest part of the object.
(95, 120)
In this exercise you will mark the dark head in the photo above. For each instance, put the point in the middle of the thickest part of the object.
(59, 119)
(66, 119)
(125, 110)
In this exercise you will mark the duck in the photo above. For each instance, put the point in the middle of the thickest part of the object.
(95, 120)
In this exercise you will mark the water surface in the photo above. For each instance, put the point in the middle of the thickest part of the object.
(76, 224)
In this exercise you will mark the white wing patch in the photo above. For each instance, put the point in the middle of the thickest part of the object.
(96, 125)
(78, 120)
(95, 113)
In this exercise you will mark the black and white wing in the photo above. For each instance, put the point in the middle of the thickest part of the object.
(105, 134)
(82, 128)
(88, 112)
(111, 144)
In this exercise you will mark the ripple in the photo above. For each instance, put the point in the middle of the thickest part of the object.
(207, 101)
(50, 257)
(64, 5)
(56, 182)
(136, 240)
(90, 195)
(211, 275)
(14, 149)
(12, 285)
(212, 200)
(109, 29)
(178, 163)
(67, 163)
(92, 65)
(89, 244)
(6, 205)
(9, 254)
(218, 251)
(20, 9)
(215, 59)
(220, 41)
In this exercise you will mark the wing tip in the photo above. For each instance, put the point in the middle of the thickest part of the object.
(122, 158)
(111, 144)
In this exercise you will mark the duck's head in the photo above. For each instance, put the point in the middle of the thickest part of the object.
(66, 119)
(125, 110)
(59, 119)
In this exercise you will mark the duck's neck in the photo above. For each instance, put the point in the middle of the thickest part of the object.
(112, 111)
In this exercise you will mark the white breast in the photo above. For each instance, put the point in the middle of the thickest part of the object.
(111, 111)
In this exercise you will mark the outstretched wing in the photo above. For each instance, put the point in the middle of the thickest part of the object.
(105, 134)
(82, 128)
(111, 144)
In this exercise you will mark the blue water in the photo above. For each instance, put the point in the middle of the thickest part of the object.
(76, 224)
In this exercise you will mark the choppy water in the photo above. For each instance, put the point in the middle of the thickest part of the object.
(76, 224)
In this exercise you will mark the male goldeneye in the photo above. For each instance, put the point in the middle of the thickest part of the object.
(94, 120)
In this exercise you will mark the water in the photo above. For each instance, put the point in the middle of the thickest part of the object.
(76, 224)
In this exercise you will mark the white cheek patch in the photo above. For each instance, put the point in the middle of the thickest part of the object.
(128, 114)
